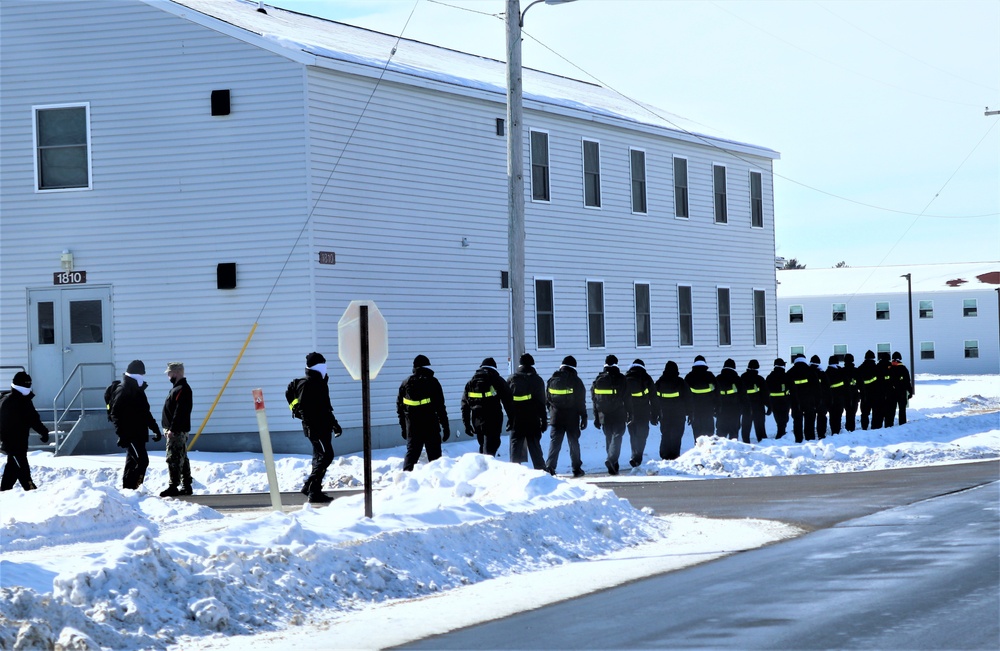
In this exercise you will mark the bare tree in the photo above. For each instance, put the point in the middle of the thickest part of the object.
(841, 265)
(792, 263)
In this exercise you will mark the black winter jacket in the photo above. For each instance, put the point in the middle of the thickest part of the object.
(482, 405)
(640, 389)
(755, 388)
(130, 412)
(567, 417)
(315, 406)
(17, 416)
(673, 398)
(729, 393)
(777, 386)
(701, 382)
(176, 415)
(420, 404)
(902, 385)
(621, 410)
(803, 384)
(527, 417)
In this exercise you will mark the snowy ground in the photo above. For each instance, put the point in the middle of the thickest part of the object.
(127, 570)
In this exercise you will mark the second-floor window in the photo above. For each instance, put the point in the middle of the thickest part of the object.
(539, 166)
(970, 307)
(926, 309)
(719, 184)
(681, 187)
(756, 200)
(62, 141)
(638, 166)
(882, 311)
(591, 174)
(840, 311)
(795, 314)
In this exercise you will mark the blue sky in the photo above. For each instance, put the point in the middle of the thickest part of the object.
(877, 108)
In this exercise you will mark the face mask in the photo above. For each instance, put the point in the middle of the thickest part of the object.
(319, 368)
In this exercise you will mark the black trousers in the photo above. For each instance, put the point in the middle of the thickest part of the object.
(16, 470)
(753, 416)
(415, 444)
(779, 410)
(901, 403)
(727, 422)
(671, 434)
(556, 435)
(836, 411)
(136, 462)
(821, 423)
(488, 435)
(638, 432)
(871, 414)
(322, 446)
(703, 419)
(803, 423)
(521, 446)
(850, 413)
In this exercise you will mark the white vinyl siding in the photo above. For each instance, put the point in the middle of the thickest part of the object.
(539, 166)
(637, 165)
(591, 174)
(595, 314)
(62, 147)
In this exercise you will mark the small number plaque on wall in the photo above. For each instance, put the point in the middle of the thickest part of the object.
(327, 257)
(69, 278)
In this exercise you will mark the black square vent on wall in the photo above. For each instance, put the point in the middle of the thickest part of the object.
(225, 275)
(220, 102)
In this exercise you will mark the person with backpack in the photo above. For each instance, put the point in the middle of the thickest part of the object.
(887, 406)
(128, 409)
(837, 385)
(870, 386)
(176, 422)
(901, 389)
(673, 406)
(17, 416)
(822, 398)
(640, 389)
(701, 382)
(566, 400)
(803, 388)
(612, 409)
(851, 395)
(423, 417)
(527, 417)
(729, 401)
(484, 401)
(755, 406)
(777, 397)
(309, 399)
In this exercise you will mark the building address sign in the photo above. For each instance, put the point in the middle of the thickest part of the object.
(69, 278)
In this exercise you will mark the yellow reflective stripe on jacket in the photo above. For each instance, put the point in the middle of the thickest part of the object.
(728, 392)
(605, 392)
(641, 393)
(561, 392)
(870, 380)
(838, 384)
(710, 389)
(416, 403)
(778, 394)
(489, 394)
(753, 390)
(522, 398)
(802, 381)
(291, 405)
(669, 395)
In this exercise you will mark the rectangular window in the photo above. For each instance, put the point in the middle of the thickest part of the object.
(882, 310)
(62, 143)
(795, 314)
(685, 318)
(926, 309)
(970, 307)
(721, 212)
(926, 350)
(759, 318)
(840, 311)
(840, 350)
(638, 163)
(85, 322)
(595, 313)
(591, 174)
(883, 348)
(46, 323)
(795, 351)
(756, 201)
(545, 322)
(539, 166)
(681, 188)
(643, 334)
(725, 332)
(971, 348)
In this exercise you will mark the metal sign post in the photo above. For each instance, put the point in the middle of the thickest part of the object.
(366, 408)
(265, 447)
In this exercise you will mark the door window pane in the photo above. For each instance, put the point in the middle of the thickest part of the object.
(595, 313)
(85, 322)
(46, 323)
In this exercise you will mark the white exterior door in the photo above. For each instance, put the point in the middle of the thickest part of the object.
(68, 327)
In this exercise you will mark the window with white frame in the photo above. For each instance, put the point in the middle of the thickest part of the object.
(685, 318)
(643, 317)
(926, 309)
(795, 314)
(719, 185)
(545, 322)
(756, 200)
(725, 331)
(591, 174)
(970, 307)
(638, 165)
(926, 350)
(681, 188)
(971, 348)
(795, 351)
(759, 318)
(595, 314)
(883, 348)
(882, 310)
(62, 147)
(840, 350)
(539, 166)
(840, 311)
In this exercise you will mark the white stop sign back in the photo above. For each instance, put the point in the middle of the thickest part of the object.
(349, 339)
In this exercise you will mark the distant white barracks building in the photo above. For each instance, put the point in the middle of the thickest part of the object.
(176, 171)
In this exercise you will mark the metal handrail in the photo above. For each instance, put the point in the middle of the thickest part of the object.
(59, 418)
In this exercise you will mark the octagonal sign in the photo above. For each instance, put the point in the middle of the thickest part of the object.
(349, 339)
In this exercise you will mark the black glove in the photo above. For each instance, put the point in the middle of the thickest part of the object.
(469, 432)
(583, 423)
(404, 434)
(337, 430)
(45, 437)
(597, 423)
(446, 434)
(767, 411)
(157, 436)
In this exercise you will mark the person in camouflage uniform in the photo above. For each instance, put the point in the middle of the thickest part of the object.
(176, 422)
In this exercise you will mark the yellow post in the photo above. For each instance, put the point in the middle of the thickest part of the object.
(223, 389)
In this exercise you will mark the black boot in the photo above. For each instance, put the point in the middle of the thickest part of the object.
(170, 491)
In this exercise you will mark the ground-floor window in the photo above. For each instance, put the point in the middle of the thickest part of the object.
(971, 348)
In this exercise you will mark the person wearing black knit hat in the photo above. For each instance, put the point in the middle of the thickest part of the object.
(900, 390)
(17, 416)
(837, 384)
(673, 407)
(852, 394)
(485, 399)
(870, 388)
(423, 416)
(527, 418)
(639, 385)
(803, 388)
(612, 409)
(729, 401)
(566, 401)
(822, 396)
(318, 424)
(755, 406)
(128, 409)
(777, 397)
(701, 383)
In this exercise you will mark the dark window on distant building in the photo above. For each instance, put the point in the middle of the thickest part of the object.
(685, 318)
(595, 314)
(681, 187)
(638, 165)
(756, 200)
(591, 174)
(643, 334)
(721, 210)
(539, 166)
(545, 323)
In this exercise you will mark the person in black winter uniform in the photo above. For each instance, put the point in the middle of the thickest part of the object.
(484, 401)
(640, 389)
(901, 389)
(612, 409)
(701, 382)
(821, 396)
(777, 396)
(423, 417)
(870, 386)
(884, 398)
(176, 422)
(755, 407)
(17, 416)
(802, 384)
(730, 399)
(673, 405)
(318, 424)
(527, 418)
(129, 411)
(566, 401)
(837, 386)
(851, 395)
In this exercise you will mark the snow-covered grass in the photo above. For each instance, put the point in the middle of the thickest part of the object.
(84, 562)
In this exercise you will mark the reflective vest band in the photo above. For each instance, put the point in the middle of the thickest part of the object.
(753, 390)
(641, 393)
(416, 403)
(778, 394)
(605, 392)
(710, 389)
(838, 384)
(870, 380)
(887, 378)
(728, 392)
(522, 398)
(561, 392)
(488, 394)
(806, 381)
(669, 395)
(291, 405)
